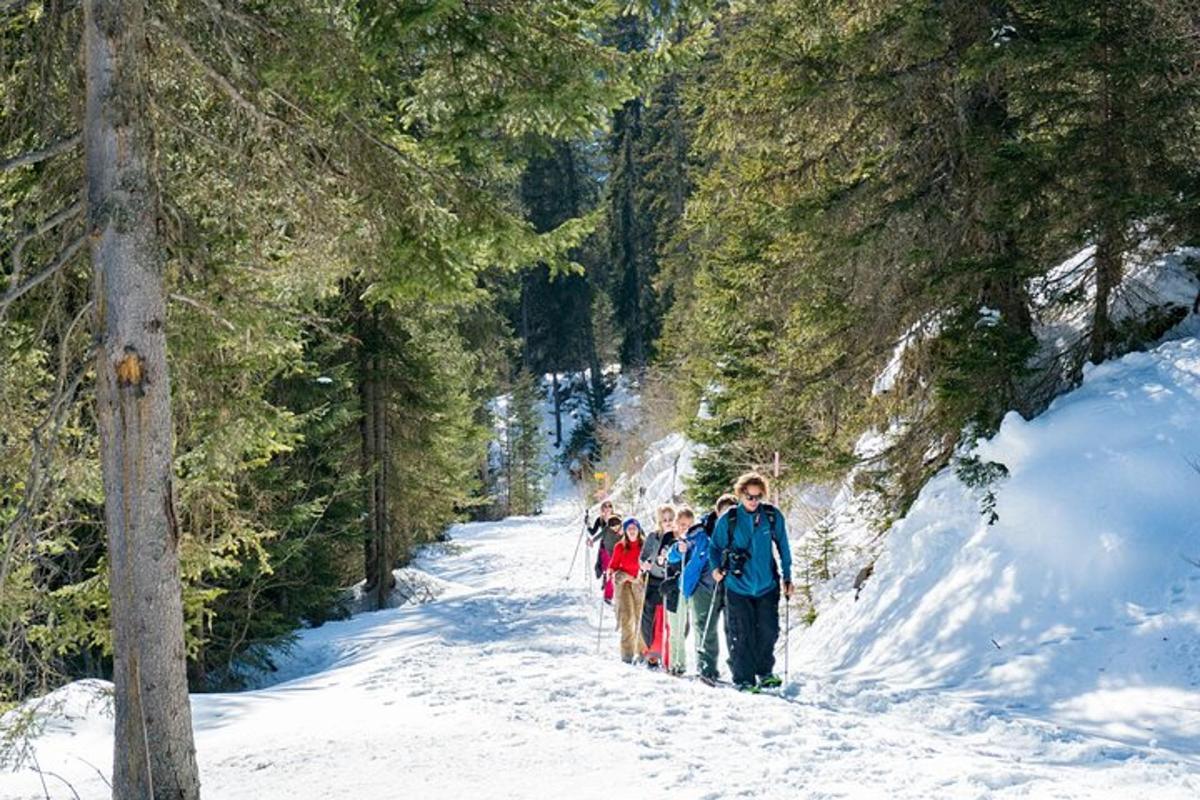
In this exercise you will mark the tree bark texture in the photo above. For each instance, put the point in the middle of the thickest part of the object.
(557, 411)
(155, 754)
(378, 552)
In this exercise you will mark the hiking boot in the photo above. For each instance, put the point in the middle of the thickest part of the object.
(676, 672)
(771, 681)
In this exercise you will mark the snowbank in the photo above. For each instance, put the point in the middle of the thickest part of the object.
(661, 479)
(1082, 602)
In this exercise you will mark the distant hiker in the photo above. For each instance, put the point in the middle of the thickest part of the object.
(624, 571)
(743, 549)
(608, 532)
(597, 529)
(701, 589)
(675, 599)
(654, 564)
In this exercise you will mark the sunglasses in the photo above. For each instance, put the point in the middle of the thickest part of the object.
(754, 498)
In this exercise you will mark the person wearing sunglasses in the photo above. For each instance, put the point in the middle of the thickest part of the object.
(744, 545)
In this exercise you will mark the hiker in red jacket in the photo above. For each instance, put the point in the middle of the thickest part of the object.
(629, 586)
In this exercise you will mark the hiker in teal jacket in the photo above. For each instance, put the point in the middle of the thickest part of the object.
(744, 543)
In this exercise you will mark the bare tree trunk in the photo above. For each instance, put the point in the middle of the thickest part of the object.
(596, 384)
(155, 755)
(384, 580)
(1110, 242)
(557, 411)
(369, 457)
(1108, 277)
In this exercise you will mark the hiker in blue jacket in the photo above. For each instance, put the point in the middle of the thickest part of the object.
(742, 553)
(699, 589)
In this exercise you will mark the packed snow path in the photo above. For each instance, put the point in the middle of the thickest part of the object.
(495, 690)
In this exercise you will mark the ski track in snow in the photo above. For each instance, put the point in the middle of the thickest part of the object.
(495, 690)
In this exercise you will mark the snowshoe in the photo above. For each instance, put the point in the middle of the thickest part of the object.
(748, 688)
(771, 681)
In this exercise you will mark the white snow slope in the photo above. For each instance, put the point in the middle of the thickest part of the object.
(1081, 605)
(495, 688)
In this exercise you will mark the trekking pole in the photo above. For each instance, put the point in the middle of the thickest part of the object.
(712, 604)
(599, 624)
(787, 635)
(578, 542)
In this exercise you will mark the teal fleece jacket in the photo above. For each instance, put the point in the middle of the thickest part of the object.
(753, 533)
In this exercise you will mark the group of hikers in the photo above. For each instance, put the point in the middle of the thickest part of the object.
(688, 573)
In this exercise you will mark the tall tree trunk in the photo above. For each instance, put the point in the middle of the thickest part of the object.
(377, 550)
(526, 355)
(154, 751)
(1110, 242)
(384, 580)
(370, 459)
(627, 257)
(557, 410)
(596, 393)
(1108, 276)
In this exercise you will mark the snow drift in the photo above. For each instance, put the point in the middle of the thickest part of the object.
(1081, 604)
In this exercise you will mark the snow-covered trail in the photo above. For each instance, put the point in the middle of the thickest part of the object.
(495, 690)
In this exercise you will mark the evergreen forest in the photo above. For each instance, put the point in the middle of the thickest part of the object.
(285, 286)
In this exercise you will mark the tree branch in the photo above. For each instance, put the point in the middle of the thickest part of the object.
(263, 119)
(45, 226)
(196, 304)
(16, 292)
(37, 156)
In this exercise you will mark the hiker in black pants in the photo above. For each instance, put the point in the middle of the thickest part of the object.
(707, 603)
(744, 543)
(654, 566)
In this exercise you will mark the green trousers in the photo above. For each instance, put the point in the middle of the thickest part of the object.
(707, 647)
(678, 622)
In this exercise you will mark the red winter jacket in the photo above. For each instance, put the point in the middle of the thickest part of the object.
(625, 557)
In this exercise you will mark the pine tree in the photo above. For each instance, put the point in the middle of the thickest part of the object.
(524, 463)
(880, 182)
